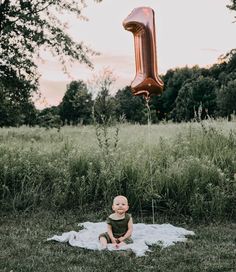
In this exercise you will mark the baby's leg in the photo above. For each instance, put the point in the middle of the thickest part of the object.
(103, 242)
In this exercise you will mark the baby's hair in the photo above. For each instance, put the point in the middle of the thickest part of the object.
(120, 196)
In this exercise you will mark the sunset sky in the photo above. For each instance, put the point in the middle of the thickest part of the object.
(188, 32)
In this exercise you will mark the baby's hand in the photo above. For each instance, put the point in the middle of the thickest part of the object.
(121, 239)
(114, 241)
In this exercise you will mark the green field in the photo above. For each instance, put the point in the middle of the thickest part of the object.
(184, 174)
(175, 169)
(24, 248)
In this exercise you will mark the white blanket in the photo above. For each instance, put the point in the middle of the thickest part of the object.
(144, 235)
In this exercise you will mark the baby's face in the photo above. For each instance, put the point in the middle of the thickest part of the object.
(120, 205)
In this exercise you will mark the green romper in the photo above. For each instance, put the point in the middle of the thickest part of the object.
(119, 228)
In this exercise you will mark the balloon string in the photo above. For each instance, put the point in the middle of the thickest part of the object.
(149, 133)
(149, 155)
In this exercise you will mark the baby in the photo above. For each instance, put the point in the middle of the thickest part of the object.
(119, 225)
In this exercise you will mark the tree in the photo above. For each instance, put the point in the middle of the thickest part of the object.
(173, 81)
(184, 108)
(15, 109)
(76, 106)
(26, 26)
(157, 108)
(104, 104)
(129, 106)
(204, 95)
(232, 6)
(49, 118)
(195, 95)
(226, 98)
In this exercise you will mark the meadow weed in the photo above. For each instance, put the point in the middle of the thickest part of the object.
(185, 169)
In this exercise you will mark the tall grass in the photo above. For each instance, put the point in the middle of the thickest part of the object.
(183, 170)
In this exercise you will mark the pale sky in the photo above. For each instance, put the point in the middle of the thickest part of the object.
(188, 32)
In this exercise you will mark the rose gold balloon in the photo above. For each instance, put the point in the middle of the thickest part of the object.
(141, 22)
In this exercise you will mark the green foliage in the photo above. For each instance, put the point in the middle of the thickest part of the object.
(226, 76)
(189, 94)
(76, 106)
(195, 94)
(104, 103)
(104, 107)
(182, 170)
(15, 106)
(188, 89)
(173, 81)
(26, 27)
(129, 106)
(49, 118)
(34, 24)
(226, 98)
(232, 5)
(184, 109)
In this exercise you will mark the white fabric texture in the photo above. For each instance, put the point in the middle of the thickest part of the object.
(144, 235)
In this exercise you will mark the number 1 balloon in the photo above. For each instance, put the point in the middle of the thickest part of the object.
(141, 22)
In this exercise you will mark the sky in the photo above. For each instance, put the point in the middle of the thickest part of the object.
(188, 33)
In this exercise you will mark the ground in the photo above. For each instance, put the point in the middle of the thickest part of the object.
(24, 247)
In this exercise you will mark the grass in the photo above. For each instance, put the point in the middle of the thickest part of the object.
(179, 169)
(24, 247)
(50, 181)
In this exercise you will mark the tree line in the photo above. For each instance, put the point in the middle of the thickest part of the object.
(28, 26)
(189, 94)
